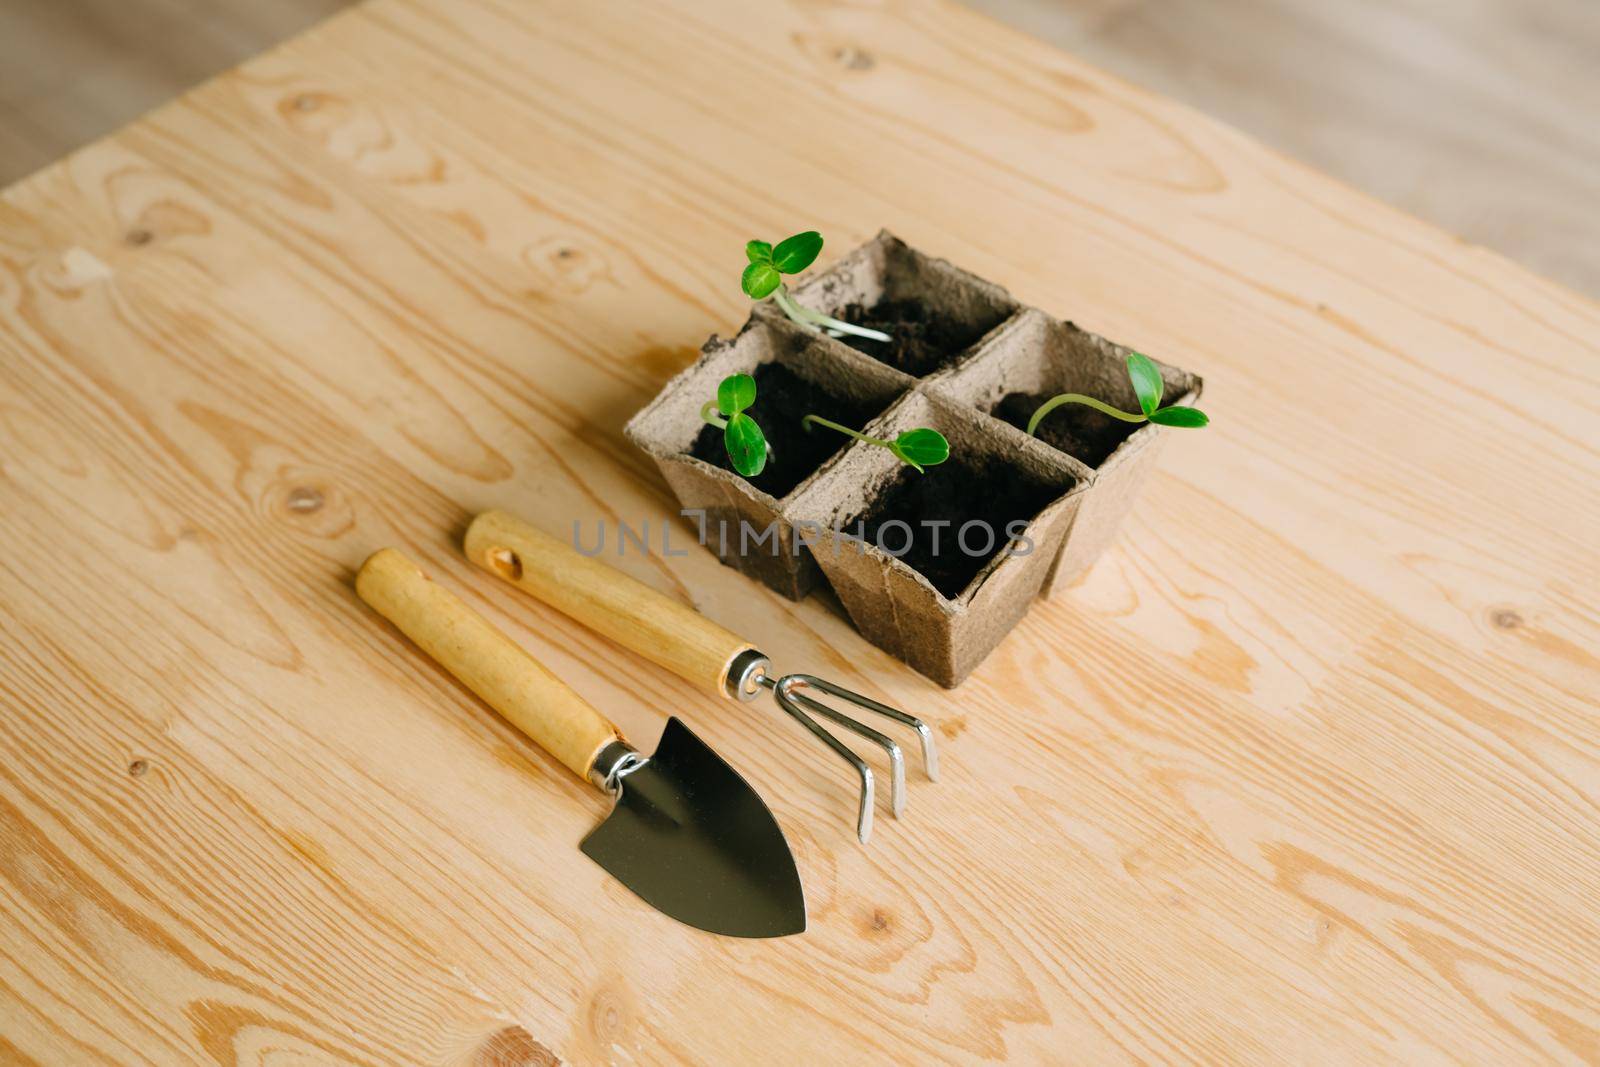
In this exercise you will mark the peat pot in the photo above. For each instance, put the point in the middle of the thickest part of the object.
(934, 567)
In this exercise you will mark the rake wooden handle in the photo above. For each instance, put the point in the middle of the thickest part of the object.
(486, 661)
(624, 609)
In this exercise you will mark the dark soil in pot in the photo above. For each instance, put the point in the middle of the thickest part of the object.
(923, 340)
(956, 492)
(1081, 432)
(783, 398)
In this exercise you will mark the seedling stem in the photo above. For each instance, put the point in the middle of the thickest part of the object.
(1147, 387)
(917, 448)
(813, 320)
(857, 434)
(1078, 398)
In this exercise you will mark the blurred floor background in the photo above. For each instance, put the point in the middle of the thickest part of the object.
(1480, 115)
(74, 70)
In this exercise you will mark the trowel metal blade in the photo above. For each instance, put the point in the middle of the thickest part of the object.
(691, 837)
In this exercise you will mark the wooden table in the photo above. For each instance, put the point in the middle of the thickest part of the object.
(1307, 769)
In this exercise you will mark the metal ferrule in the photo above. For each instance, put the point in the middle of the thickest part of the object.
(744, 678)
(616, 761)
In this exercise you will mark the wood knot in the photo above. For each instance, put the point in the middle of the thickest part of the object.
(570, 263)
(138, 237)
(513, 1046)
(138, 768)
(304, 499)
(564, 267)
(879, 921)
(1505, 618)
(852, 58)
(307, 102)
(608, 1017)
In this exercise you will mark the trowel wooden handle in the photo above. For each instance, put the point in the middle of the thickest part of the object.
(624, 609)
(485, 660)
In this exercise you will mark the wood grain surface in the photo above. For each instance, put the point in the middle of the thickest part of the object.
(1306, 770)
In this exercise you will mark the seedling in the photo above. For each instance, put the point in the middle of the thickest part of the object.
(1147, 386)
(917, 448)
(747, 446)
(764, 277)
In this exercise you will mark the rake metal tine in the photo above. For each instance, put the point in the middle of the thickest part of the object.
(930, 757)
(788, 703)
(897, 762)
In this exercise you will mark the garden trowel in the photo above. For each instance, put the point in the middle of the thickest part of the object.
(687, 833)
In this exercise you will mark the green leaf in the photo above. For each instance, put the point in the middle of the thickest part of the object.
(735, 393)
(921, 447)
(747, 445)
(795, 254)
(1179, 416)
(1147, 384)
(758, 252)
(759, 280)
